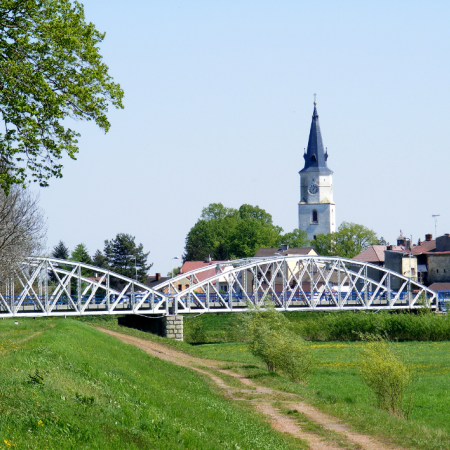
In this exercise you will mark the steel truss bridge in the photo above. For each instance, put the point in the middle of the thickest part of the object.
(52, 287)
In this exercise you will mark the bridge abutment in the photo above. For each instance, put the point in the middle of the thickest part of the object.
(168, 326)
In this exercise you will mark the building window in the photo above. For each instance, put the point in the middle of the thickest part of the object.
(314, 237)
(313, 158)
(187, 286)
(437, 270)
(314, 217)
(413, 272)
(180, 288)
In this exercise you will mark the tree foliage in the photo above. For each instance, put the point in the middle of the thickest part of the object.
(348, 241)
(120, 254)
(50, 69)
(81, 254)
(60, 251)
(271, 339)
(296, 238)
(386, 374)
(226, 233)
(99, 259)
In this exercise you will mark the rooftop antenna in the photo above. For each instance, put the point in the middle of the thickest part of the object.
(435, 216)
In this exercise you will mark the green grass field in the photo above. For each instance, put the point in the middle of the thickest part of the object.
(336, 387)
(65, 385)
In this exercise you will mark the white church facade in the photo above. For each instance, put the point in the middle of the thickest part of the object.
(316, 209)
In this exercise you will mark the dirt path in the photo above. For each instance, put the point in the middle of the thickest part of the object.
(319, 430)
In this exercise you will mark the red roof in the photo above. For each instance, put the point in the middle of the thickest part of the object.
(193, 265)
(425, 246)
(372, 254)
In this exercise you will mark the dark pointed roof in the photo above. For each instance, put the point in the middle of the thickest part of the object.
(315, 156)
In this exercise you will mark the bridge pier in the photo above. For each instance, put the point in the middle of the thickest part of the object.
(168, 326)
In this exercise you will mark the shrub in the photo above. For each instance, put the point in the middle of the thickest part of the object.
(422, 325)
(384, 372)
(271, 339)
(194, 331)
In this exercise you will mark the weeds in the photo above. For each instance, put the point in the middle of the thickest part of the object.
(36, 378)
(194, 331)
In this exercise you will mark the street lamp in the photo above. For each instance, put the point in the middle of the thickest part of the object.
(175, 257)
(135, 263)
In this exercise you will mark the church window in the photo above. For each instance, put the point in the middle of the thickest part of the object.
(314, 218)
(313, 158)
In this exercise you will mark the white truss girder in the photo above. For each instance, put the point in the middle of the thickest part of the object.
(52, 287)
(296, 283)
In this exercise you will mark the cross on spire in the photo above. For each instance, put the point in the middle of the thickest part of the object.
(315, 103)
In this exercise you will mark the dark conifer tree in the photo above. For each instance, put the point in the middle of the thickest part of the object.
(120, 254)
(60, 251)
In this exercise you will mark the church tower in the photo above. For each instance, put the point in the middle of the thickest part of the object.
(316, 209)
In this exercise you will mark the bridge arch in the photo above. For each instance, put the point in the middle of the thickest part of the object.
(295, 283)
(53, 287)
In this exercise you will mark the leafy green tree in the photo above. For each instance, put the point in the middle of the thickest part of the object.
(174, 272)
(50, 70)
(348, 241)
(120, 256)
(296, 238)
(60, 251)
(225, 233)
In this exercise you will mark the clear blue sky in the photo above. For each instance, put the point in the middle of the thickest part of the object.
(218, 105)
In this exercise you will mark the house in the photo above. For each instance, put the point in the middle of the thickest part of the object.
(222, 284)
(153, 281)
(284, 250)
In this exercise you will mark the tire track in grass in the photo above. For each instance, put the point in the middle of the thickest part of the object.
(263, 398)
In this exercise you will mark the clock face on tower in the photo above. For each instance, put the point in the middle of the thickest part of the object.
(313, 189)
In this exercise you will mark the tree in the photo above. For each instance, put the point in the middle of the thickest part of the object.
(99, 260)
(227, 233)
(81, 254)
(296, 238)
(60, 251)
(22, 229)
(120, 254)
(50, 70)
(350, 240)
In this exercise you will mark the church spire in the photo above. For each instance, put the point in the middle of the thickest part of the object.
(315, 156)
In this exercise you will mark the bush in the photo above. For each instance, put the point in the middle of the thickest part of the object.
(194, 331)
(271, 339)
(384, 372)
(424, 325)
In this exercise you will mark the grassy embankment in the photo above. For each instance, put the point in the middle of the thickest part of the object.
(335, 385)
(66, 385)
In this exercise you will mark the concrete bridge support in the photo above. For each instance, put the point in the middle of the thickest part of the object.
(168, 326)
